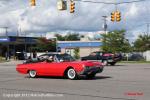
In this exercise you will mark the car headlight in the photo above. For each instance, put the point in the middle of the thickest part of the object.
(85, 67)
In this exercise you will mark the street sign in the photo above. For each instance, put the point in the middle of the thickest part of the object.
(4, 39)
(58, 49)
(62, 5)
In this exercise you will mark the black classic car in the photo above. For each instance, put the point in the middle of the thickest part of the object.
(106, 58)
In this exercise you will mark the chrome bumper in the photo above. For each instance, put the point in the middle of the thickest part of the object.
(91, 70)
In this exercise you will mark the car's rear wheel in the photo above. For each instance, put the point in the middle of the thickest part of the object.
(32, 73)
(71, 74)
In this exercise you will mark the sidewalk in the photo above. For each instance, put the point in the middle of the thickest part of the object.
(12, 62)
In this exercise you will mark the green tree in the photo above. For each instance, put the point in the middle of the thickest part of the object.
(68, 37)
(45, 45)
(115, 41)
(142, 43)
(72, 37)
(76, 53)
(60, 37)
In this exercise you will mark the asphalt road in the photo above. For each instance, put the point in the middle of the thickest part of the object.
(120, 82)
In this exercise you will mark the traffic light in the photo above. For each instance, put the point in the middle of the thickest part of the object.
(33, 2)
(113, 15)
(72, 7)
(118, 16)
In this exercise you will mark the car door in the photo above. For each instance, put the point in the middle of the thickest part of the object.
(51, 68)
(92, 56)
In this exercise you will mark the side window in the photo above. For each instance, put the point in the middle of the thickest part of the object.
(100, 53)
(93, 54)
(43, 57)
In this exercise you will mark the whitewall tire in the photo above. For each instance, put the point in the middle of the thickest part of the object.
(32, 73)
(71, 74)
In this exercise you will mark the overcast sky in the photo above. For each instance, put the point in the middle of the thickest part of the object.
(17, 14)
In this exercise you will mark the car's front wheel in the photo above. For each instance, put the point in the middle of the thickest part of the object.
(32, 73)
(71, 74)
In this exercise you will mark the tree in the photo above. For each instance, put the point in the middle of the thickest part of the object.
(142, 43)
(115, 41)
(72, 37)
(68, 37)
(45, 45)
(76, 53)
(60, 37)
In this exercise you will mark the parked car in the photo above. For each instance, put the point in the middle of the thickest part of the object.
(106, 58)
(62, 65)
(133, 57)
(136, 57)
(20, 55)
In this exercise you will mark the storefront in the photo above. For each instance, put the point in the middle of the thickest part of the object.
(85, 47)
(10, 46)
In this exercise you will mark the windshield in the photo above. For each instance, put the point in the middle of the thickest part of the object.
(65, 57)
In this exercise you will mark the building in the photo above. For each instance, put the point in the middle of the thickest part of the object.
(85, 47)
(90, 41)
(11, 45)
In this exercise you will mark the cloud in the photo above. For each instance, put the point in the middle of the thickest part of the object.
(45, 17)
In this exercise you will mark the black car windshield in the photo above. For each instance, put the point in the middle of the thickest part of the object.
(65, 57)
(59, 57)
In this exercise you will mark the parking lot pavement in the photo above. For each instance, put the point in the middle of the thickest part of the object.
(120, 82)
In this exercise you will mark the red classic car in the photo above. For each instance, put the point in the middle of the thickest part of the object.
(62, 65)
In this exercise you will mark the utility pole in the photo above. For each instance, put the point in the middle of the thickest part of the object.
(25, 42)
(6, 31)
(105, 24)
(7, 52)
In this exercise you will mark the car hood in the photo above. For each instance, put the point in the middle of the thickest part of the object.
(86, 56)
(89, 63)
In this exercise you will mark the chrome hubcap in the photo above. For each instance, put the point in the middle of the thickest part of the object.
(71, 73)
(32, 73)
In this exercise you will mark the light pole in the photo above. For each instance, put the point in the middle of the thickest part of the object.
(54, 39)
(7, 52)
(56, 44)
(25, 42)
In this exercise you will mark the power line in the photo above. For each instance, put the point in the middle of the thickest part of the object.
(94, 1)
(88, 1)
(132, 1)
